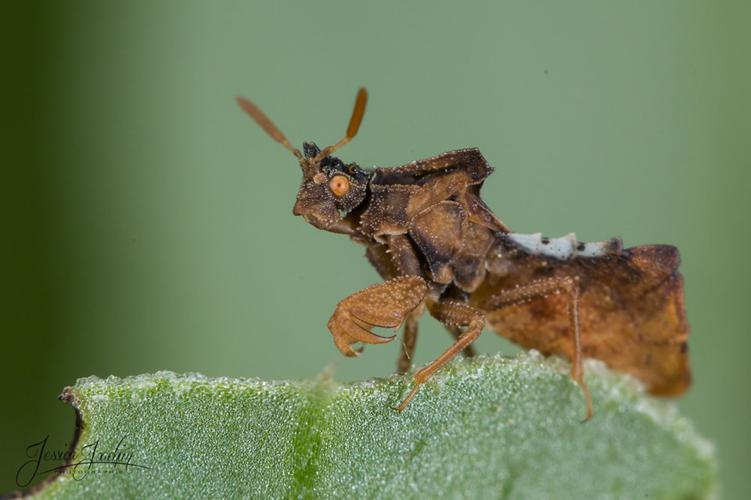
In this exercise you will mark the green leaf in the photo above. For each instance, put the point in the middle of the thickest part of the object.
(489, 427)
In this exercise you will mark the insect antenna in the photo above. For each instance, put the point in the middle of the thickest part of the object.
(266, 124)
(354, 125)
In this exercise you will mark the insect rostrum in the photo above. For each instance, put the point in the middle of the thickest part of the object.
(439, 247)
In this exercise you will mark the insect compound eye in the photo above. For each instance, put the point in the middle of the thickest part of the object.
(339, 185)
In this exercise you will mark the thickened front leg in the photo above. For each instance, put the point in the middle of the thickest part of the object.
(452, 314)
(384, 305)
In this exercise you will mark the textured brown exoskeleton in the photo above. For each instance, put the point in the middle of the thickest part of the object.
(435, 242)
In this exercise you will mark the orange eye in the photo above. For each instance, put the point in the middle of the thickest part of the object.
(339, 185)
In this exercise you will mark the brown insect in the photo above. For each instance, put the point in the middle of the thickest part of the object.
(429, 234)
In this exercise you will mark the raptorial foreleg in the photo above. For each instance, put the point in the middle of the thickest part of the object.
(384, 305)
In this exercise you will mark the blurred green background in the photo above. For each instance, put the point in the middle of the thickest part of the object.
(147, 222)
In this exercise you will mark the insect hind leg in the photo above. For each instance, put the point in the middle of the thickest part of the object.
(544, 288)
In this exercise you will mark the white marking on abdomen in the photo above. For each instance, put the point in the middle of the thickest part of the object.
(562, 248)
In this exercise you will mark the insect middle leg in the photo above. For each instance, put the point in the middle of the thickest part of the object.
(456, 332)
(544, 288)
(403, 261)
(409, 342)
(452, 314)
